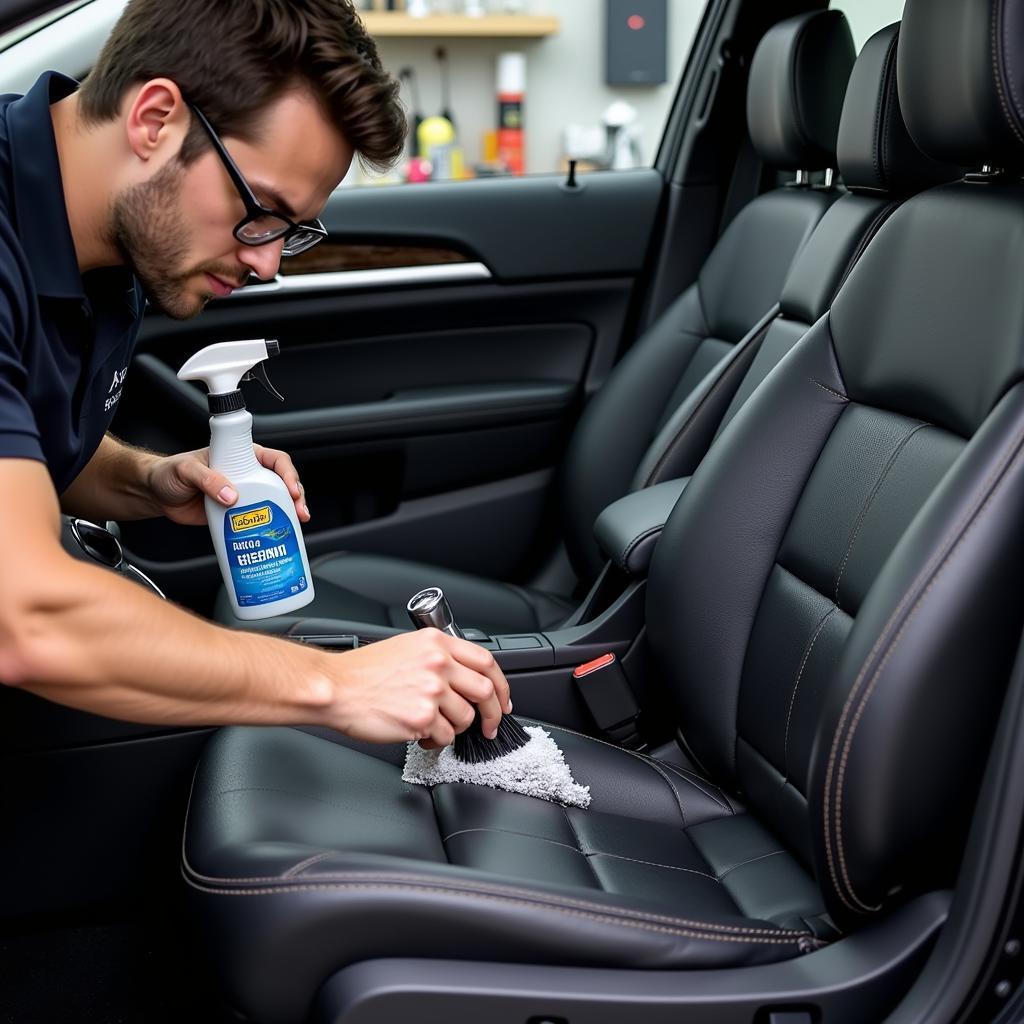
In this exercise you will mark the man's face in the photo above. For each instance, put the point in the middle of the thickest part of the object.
(175, 230)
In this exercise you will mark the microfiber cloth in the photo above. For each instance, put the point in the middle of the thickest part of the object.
(537, 769)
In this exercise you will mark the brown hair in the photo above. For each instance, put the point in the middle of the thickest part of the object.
(232, 58)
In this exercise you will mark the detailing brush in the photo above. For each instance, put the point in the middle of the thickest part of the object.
(430, 608)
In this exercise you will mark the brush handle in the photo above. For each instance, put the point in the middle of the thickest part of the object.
(431, 608)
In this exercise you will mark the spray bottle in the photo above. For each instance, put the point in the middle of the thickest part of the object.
(258, 540)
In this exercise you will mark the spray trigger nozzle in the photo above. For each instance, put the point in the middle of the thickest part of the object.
(259, 373)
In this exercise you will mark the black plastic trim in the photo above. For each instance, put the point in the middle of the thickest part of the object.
(850, 982)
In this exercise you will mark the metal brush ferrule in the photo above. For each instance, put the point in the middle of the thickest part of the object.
(430, 608)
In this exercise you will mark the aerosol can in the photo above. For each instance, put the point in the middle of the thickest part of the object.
(258, 540)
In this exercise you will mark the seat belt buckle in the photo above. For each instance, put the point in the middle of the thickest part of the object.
(605, 690)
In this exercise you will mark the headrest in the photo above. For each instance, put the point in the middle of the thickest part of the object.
(795, 94)
(876, 154)
(961, 80)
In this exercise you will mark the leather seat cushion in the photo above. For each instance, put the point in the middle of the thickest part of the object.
(352, 589)
(310, 853)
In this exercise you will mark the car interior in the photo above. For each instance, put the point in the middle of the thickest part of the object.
(751, 420)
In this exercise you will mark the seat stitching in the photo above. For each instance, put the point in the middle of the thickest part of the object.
(878, 134)
(579, 849)
(887, 113)
(1007, 54)
(297, 869)
(651, 863)
(943, 553)
(997, 64)
(733, 356)
(692, 779)
(868, 692)
(437, 821)
(831, 391)
(343, 878)
(696, 930)
(875, 491)
(796, 686)
(753, 860)
(513, 832)
(650, 762)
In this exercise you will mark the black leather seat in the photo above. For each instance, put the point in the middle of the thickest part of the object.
(834, 606)
(797, 84)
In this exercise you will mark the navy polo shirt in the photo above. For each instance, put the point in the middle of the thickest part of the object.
(66, 338)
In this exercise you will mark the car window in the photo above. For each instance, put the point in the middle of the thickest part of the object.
(866, 17)
(588, 81)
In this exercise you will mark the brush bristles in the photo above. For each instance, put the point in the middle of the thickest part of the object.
(473, 748)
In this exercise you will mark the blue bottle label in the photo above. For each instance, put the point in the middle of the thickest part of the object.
(263, 552)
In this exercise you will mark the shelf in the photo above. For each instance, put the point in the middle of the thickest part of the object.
(509, 26)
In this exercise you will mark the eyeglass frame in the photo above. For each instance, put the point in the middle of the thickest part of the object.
(254, 209)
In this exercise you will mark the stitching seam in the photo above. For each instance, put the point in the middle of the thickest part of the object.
(649, 762)
(875, 490)
(733, 358)
(297, 869)
(692, 779)
(512, 832)
(941, 557)
(698, 930)
(878, 133)
(796, 686)
(753, 860)
(368, 880)
(831, 391)
(997, 65)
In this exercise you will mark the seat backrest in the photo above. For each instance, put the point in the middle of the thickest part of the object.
(835, 601)
(880, 167)
(796, 87)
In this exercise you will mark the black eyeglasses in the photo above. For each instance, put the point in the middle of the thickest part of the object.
(261, 225)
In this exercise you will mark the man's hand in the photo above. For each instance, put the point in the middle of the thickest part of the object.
(418, 686)
(179, 483)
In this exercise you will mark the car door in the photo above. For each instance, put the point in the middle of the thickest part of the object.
(435, 352)
(438, 347)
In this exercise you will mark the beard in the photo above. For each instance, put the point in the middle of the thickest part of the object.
(151, 233)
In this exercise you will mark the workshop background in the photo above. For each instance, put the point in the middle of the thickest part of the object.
(592, 80)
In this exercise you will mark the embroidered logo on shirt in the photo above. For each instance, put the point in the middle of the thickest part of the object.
(114, 391)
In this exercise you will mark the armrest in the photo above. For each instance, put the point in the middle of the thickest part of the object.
(628, 529)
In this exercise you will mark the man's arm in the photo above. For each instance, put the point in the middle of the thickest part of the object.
(123, 482)
(87, 638)
(113, 485)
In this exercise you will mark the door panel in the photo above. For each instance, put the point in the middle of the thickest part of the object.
(427, 405)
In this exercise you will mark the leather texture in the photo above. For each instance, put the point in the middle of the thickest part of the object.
(798, 81)
(961, 80)
(627, 530)
(892, 165)
(833, 608)
(677, 358)
(306, 854)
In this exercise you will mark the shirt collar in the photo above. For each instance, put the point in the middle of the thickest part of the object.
(43, 228)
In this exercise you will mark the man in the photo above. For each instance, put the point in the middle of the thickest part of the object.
(199, 150)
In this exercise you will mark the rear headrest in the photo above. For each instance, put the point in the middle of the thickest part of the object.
(961, 80)
(876, 154)
(797, 83)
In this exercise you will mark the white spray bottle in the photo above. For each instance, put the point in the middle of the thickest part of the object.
(258, 540)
